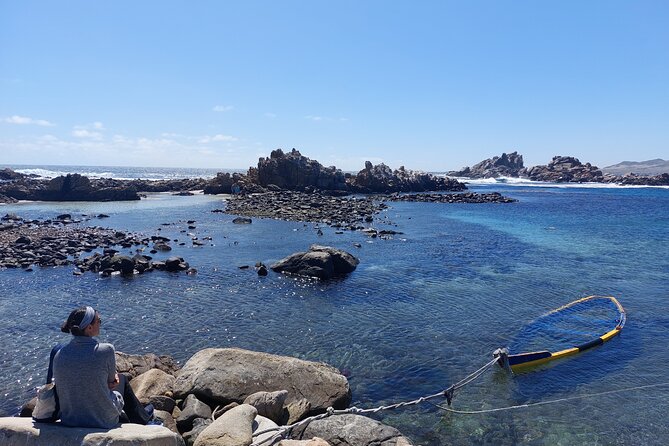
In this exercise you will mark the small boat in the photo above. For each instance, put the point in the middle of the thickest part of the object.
(522, 361)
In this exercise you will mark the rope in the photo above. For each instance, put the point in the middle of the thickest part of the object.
(541, 403)
(447, 393)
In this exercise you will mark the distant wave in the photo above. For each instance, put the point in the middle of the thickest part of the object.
(513, 181)
(120, 173)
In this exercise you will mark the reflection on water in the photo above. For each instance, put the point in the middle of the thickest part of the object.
(419, 313)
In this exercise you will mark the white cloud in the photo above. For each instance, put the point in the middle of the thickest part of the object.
(217, 138)
(98, 125)
(223, 108)
(83, 133)
(24, 120)
(314, 118)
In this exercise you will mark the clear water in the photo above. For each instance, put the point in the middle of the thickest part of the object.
(421, 311)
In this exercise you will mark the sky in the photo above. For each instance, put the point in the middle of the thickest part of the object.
(429, 85)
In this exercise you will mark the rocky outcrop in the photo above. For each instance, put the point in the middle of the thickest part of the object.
(382, 179)
(293, 171)
(71, 187)
(16, 431)
(221, 376)
(321, 262)
(8, 174)
(639, 180)
(507, 165)
(226, 183)
(564, 169)
(352, 430)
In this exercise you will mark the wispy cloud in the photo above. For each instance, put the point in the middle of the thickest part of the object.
(24, 120)
(89, 131)
(270, 115)
(223, 108)
(83, 133)
(216, 138)
(324, 118)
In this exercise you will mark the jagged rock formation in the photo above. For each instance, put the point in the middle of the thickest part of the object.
(564, 169)
(293, 171)
(381, 178)
(507, 165)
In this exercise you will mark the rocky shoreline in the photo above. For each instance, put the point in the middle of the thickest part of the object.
(561, 169)
(210, 400)
(64, 241)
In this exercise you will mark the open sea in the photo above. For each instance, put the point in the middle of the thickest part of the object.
(421, 311)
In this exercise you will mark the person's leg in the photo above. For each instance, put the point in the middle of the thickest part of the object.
(132, 407)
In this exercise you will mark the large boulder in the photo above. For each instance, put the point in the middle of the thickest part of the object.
(15, 431)
(351, 430)
(322, 262)
(294, 171)
(221, 376)
(507, 165)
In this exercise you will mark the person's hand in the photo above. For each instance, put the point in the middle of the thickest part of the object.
(113, 384)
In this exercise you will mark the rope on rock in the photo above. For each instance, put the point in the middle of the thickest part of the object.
(498, 357)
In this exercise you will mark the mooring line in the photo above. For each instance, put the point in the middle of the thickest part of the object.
(541, 403)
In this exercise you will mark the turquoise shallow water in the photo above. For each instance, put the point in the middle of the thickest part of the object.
(421, 311)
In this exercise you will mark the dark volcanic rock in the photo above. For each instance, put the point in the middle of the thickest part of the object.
(293, 171)
(639, 180)
(8, 174)
(507, 165)
(465, 197)
(346, 212)
(381, 178)
(4, 199)
(564, 169)
(322, 262)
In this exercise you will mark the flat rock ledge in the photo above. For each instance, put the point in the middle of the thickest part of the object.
(16, 431)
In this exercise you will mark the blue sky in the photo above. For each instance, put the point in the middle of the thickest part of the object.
(429, 85)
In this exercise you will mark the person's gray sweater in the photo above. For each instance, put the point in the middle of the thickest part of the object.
(81, 370)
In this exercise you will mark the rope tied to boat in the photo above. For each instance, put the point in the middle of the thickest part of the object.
(499, 357)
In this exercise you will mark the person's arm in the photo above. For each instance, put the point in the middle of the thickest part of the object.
(112, 376)
(49, 373)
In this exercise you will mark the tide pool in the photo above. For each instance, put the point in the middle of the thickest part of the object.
(422, 310)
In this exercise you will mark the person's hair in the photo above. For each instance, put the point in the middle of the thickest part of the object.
(71, 325)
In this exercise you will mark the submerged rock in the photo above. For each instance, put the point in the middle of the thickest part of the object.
(351, 430)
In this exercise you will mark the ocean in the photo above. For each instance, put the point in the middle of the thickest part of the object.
(421, 311)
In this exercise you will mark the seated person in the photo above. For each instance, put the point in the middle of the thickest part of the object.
(90, 392)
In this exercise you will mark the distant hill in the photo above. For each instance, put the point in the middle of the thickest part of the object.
(651, 167)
